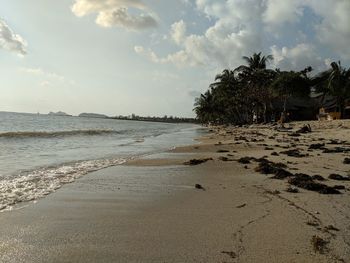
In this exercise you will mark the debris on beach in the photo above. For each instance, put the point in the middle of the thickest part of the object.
(346, 161)
(339, 177)
(339, 187)
(318, 178)
(225, 159)
(294, 134)
(312, 223)
(241, 206)
(199, 187)
(269, 148)
(197, 161)
(294, 153)
(282, 174)
(268, 167)
(291, 189)
(306, 182)
(331, 228)
(319, 244)
(336, 150)
(305, 129)
(336, 142)
(245, 160)
(316, 146)
(222, 151)
(231, 254)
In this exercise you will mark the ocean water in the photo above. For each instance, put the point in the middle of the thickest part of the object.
(40, 153)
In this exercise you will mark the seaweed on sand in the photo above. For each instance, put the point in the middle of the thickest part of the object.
(306, 182)
(246, 160)
(339, 177)
(319, 244)
(316, 146)
(346, 161)
(268, 167)
(222, 151)
(294, 153)
(197, 161)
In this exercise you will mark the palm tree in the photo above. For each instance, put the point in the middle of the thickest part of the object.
(291, 83)
(204, 107)
(255, 62)
(334, 82)
(257, 78)
(225, 80)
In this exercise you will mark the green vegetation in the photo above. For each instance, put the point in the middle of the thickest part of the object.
(253, 93)
(335, 82)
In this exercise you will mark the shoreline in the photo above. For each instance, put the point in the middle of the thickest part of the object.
(149, 209)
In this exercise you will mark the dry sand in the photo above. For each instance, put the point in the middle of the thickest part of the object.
(150, 211)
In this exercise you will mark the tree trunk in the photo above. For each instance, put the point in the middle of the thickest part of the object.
(265, 112)
(341, 105)
(284, 113)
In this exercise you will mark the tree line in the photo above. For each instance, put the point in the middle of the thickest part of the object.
(249, 93)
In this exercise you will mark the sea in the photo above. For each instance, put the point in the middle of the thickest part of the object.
(40, 153)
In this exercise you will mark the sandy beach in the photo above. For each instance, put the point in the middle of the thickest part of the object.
(260, 195)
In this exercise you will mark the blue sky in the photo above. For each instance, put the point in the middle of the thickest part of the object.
(152, 57)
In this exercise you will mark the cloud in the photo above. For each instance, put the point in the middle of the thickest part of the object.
(117, 13)
(179, 58)
(178, 32)
(43, 73)
(48, 79)
(278, 12)
(45, 84)
(297, 57)
(235, 32)
(11, 41)
(296, 32)
(334, 28)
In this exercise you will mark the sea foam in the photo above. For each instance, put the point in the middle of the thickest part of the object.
(32, 185)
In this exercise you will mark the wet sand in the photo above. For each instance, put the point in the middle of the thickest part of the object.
(149, 210)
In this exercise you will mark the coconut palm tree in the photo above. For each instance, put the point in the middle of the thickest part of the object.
(257, 78)
(291, 83)
(205, 107)
(334, 82)
(255, 62)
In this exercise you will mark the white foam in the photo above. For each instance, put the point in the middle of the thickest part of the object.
(36, 184)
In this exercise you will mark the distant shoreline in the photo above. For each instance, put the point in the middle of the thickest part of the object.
(126, 118)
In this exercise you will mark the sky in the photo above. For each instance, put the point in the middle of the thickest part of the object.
(153, 57)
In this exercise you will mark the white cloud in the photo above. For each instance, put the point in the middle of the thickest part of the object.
(43, 73)
(178, 32)
(179, 58)
(116, 13)
(334, 29)
(11, 41)
(279, 12)
(297, 58)
(45, 84)
(47, 78)
(235, 33)
(241, 28)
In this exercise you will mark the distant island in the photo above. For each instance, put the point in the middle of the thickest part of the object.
(92, 115)
(59, 113)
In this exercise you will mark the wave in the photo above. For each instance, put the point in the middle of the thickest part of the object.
(33, 185)
(43, 134)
